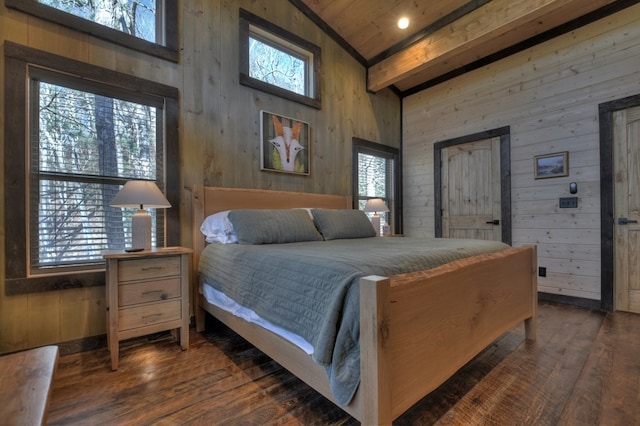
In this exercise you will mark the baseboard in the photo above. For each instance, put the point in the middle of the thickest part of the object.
(81, 345)
(98, 342)
(570, 300)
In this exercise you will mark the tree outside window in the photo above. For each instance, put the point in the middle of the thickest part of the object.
(133, 17)
(276, 61)
(147, 26)
(87, 131)
(87, 146)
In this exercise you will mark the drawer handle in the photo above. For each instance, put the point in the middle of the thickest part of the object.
(151, 268)
(163, 296)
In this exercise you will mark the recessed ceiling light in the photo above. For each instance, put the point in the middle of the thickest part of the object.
(403, 23)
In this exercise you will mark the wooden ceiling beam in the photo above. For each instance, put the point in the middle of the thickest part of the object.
(498, 24)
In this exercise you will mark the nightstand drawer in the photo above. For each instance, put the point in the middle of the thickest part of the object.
(140, 316)
(149, 291)
(140, 269)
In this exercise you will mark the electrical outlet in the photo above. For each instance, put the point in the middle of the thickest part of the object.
(542, 271)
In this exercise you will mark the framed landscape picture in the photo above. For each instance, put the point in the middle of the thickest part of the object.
(284, 144)
(551, 165)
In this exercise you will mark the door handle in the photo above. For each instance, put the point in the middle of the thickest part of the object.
(493, 222)
(625, 221)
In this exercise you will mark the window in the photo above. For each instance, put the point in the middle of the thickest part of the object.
(278, 62)
(85, 143)
(149, 26)
(376, 175)
(85, 139)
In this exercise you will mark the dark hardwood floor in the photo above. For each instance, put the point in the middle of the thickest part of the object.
(584, 369)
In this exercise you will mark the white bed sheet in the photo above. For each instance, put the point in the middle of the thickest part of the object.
(224, 302)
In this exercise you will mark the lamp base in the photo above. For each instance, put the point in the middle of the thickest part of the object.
(375, 221)
(141, 230)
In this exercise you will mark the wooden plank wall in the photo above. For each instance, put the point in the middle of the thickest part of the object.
(219, 132)
(549, 95)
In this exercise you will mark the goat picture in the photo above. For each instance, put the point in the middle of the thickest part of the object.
(284, 144)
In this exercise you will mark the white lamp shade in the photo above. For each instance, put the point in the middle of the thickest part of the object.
(376, 205)
(140, 194)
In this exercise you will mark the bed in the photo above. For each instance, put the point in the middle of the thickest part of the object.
(416, 329)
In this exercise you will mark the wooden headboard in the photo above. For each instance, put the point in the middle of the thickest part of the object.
(208, 200)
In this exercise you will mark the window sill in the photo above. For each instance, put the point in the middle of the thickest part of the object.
(16, 286)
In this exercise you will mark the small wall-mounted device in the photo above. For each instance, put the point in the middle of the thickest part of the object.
(573, 188)
(568, 202)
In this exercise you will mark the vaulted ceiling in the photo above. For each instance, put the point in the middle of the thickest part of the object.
(444, 37)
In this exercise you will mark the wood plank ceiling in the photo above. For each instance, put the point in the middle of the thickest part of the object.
(445, 37)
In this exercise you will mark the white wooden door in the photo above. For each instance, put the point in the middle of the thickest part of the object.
(470, 176)
(626, 148)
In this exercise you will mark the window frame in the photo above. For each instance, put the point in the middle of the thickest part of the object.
(394, 201)
(18, 58)
(248, 20)
(168, 16)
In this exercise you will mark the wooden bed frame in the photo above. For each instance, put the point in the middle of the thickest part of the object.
(416, 329)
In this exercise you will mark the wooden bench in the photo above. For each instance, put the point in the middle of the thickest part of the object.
(25, 385)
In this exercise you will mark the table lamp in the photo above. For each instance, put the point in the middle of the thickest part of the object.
(140, 194)
(376, 205)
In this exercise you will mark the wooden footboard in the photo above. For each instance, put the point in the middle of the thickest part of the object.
(418, 329)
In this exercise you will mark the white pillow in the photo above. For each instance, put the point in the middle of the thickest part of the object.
(308, 209)
(217, 228)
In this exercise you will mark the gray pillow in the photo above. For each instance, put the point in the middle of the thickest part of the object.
(273, 226)
(343, 224)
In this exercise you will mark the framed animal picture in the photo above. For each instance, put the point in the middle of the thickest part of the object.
(284, 144)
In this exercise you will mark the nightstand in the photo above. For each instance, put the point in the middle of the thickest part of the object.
(147, 292)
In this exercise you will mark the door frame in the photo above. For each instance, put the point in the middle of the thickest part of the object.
(607, 265)
(505, 176)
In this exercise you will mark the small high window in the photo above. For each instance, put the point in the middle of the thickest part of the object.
(278, 62)
(149, 26)
(137, 18)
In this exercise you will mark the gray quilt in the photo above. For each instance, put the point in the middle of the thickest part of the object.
(310, 288)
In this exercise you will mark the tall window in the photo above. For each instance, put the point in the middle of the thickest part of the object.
(88, 130)
(376, 175)
(278, 62)
(149, 26)
(86, 141)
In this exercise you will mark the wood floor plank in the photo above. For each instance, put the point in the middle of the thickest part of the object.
(610, 380)
(582, 370)
(526, 387)
(444, 397)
